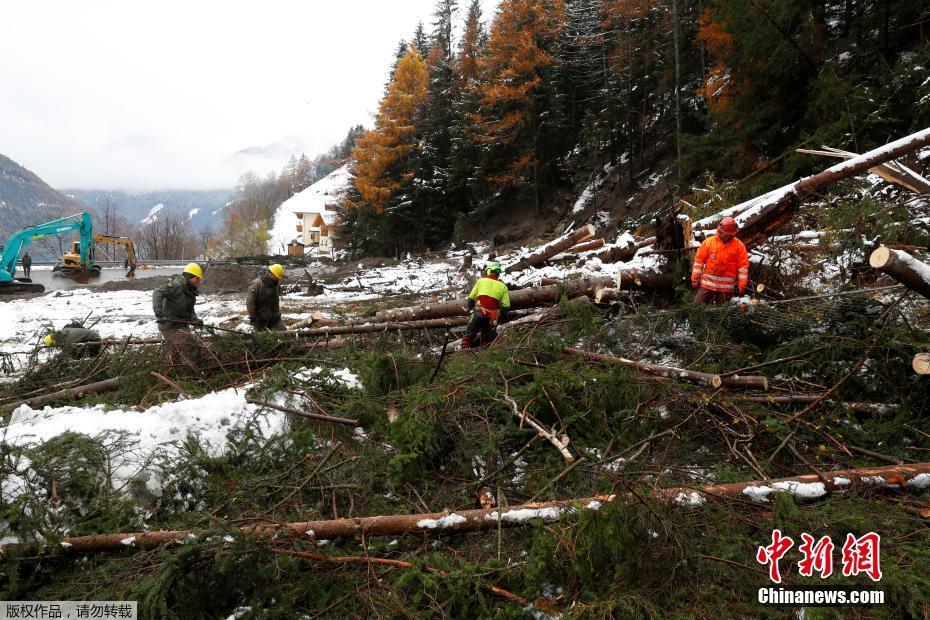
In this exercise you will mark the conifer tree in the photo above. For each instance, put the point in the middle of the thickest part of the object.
(384, 156)
(466, 151)
(518, 123)
(434, 203)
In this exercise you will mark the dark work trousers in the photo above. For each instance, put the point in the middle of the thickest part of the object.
(479, 324)
(707, 296)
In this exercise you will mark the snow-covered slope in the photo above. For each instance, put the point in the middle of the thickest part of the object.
(326, 191)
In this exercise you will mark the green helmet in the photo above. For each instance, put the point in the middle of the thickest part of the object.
(494, 267)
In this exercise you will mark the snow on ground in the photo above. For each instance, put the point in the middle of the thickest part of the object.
(413, 275)
(588, 193)
(155, 431)
(120, 314)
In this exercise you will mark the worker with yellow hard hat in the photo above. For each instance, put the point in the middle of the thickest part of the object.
(78, 341)
(263, 300)
(173, 304)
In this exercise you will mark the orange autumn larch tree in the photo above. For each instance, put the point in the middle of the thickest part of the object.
(383, 155)
(718, 82)
(513, 70)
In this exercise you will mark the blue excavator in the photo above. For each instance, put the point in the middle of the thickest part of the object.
(10, 285)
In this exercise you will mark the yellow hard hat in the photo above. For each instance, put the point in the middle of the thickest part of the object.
(194, 269)
(277, 271)
(49, 340)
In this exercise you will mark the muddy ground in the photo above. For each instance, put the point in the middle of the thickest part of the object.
(217, 279)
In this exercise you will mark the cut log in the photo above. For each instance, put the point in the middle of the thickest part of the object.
(108, 385)
(746, 382)
(914, 477)
(903, 267)
(315, 318)
(921, 363)
(617, 254)
(632, 280)
(586, 246)
(670, 372)
(552, 248)
(372, 328)
(607, 295)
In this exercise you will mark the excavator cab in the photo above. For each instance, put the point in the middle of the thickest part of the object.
(72, 260)
(71, 265)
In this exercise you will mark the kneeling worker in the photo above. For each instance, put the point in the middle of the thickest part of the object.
(263, 301)
(73, 338)
(489, 302)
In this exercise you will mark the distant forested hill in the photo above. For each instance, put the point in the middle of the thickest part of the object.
(25, 199)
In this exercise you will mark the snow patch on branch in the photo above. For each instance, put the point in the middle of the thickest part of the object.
(690, 499)
(802, 490)
(758, 494)
(920, 481)
(441, 523)
(551, 513)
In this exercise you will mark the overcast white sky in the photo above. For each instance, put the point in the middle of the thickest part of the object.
(145, 95)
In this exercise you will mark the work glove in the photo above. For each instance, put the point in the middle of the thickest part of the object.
(471, 303)
(502, 316)
(695, 283)
(742, 291)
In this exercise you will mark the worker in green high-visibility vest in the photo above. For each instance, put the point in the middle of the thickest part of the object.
(488, 302)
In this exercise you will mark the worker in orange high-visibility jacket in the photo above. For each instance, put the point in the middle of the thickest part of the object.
(489, 302)
(721, 266)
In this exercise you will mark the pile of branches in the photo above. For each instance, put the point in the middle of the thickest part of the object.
(525, 422)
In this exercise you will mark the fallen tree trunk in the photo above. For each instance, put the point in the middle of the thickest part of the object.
(371, 328)
(761, 217)
(809, 486)
(107, 385)
(552, 248)
(903, 267)
(532, 297)
(914, 477)
(586, 246)
(892, 171)
(670, 372)
(806, 399)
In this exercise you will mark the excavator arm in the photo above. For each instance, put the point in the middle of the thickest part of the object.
(127, 243)
(80, 222)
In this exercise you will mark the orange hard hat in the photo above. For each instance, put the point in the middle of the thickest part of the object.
(728, 226)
